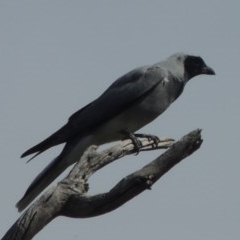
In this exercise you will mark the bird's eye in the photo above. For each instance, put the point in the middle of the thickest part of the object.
(198, 63)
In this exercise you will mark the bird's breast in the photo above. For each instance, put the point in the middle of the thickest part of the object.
(134, 117)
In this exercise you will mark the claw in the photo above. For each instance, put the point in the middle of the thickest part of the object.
(137, 143)
(134, 137)
(150, 137)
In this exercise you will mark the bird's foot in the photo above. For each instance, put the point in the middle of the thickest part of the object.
(150, 137)
(136, 142)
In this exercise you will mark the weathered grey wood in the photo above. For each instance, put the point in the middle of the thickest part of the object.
(69, 197)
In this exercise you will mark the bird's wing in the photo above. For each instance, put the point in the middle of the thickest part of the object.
(125, 91)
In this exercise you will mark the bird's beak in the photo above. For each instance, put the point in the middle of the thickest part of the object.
(207, 70)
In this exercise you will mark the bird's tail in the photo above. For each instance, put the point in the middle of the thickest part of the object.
(70, 154)
(49, 174)
(53, 140)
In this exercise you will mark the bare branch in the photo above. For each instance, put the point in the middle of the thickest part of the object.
(69, 197)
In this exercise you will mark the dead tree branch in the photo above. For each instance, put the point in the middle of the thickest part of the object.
(69, 197)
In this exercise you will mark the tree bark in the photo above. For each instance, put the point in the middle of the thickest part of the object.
(69, 197)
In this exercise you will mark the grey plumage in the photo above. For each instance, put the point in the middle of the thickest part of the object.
(130, 103)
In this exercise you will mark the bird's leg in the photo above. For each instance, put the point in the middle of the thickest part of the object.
(150, 137)
(136, 142)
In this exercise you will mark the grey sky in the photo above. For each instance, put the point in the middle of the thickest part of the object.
(56, 56)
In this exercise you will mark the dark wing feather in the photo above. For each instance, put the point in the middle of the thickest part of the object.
(122, 93)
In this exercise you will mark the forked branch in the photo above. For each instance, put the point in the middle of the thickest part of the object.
(69, 197)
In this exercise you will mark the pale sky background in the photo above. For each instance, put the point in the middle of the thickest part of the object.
(57, 56)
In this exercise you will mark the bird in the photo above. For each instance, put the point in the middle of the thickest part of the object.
(127, 105)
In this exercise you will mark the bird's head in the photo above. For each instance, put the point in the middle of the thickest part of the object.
(191, 66)
(194, 66)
